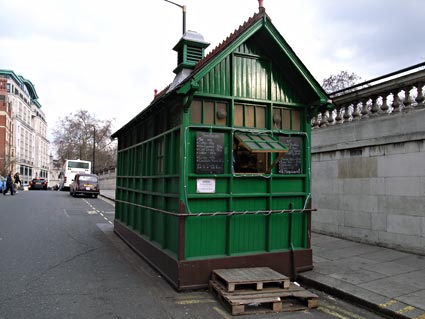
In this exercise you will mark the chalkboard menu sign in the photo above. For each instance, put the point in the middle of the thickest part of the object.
(291, 162)
(209, 153)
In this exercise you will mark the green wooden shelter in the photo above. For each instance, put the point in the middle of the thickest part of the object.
(215, 172)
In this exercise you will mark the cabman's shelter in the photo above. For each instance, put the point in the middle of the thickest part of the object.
(215, 172)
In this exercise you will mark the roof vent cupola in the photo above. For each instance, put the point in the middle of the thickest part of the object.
(190, 49)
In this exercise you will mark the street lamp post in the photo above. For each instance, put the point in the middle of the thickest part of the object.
(183, 7)
(94, 148)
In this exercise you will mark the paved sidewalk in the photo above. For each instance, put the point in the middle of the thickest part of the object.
(108, 193)
(385, 280)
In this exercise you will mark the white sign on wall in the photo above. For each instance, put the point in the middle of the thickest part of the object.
(205, 185)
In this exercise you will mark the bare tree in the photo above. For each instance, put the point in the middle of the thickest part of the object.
(340, 81)
(6, 165)
(82, 136)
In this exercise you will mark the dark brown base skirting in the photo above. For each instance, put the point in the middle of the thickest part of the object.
(195, 274)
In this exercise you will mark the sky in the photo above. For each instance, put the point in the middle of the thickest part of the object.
(108, 57)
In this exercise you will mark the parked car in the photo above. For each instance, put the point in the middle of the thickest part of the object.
(2, 183)
(38, 183)
(84, 184)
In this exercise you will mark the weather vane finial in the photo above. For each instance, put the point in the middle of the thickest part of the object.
(260, 6)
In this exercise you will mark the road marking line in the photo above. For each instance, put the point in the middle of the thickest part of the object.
(388, 303)
(194, 301)
(105, 218)
(91, 212)
(344, 311)
(66, 214)
(110, 222)
(331, 313)
(101, 214)
(222, 313)
(405, 309)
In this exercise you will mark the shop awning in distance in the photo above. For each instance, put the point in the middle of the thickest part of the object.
(261, 143)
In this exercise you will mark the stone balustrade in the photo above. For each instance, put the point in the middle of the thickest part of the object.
(388, 95)
(107, 179)
(368, 169)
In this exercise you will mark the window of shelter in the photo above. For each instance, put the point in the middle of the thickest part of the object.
(249, 115)
(286, 119)
(252, 152)
(208, 112)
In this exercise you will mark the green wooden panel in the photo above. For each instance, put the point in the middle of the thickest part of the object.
(147, 216)
(172, 185)
(208, 205)
(251, 78)
(172, 233)
(172, 204)
(299, 230)
(205, 236)
(118, 210)
(157, 185)
(137, 219)
(247, 234)
(146, 222)
(288, 185)
(218, 80)
(279, 232)
(250, 185)
(125, 213)
(299, 221)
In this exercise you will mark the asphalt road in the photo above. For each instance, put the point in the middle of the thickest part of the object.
(59, 258)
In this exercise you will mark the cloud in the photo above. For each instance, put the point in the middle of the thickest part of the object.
(108, 57)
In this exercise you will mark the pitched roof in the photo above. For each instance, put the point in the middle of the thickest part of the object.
(242, 28)
(240, 31)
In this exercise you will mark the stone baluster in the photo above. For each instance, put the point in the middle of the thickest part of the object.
(356, 113)
(407, 98)
(347, 115)
(339, 119)
(331, 120)
(315, 122)
(384, 106)
(375, 107)
(396, 102)
(420, 96)
(365, 109)
(324, 122)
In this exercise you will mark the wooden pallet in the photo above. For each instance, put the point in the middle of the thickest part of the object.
(248, 301)
(245, 298)
(258, 278)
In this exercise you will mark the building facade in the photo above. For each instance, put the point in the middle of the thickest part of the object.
(24, 146)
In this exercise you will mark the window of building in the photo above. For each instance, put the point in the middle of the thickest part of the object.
(252, 153)
(208, 112)
(248, 115)
(286, 119)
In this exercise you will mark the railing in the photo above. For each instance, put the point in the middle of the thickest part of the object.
(390, 94)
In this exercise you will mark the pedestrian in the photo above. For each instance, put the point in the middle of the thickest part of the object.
(9, 184)
(17, 181)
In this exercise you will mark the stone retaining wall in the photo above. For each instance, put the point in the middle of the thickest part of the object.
(368, 180)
